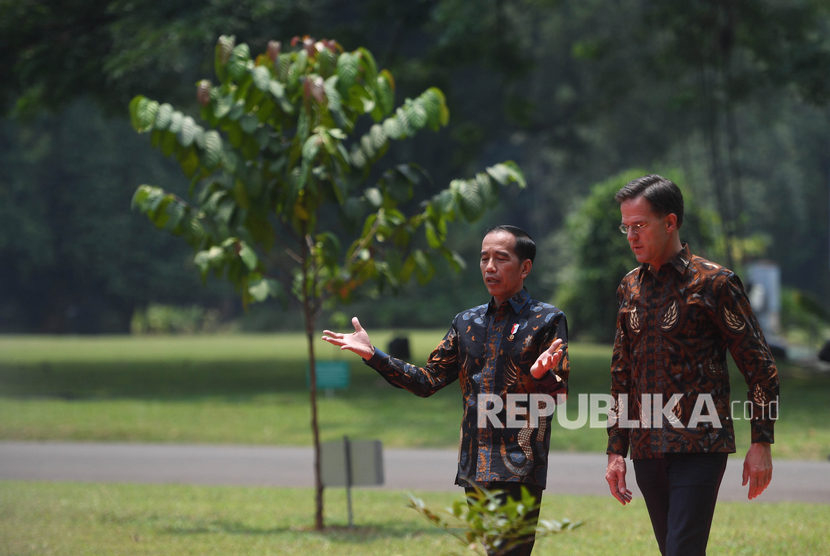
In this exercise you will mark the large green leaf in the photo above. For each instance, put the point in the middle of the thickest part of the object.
(348, 66)
(222, 53)
(264, 288)
(143, 113)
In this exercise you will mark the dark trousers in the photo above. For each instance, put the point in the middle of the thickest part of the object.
(680, 491)
(514, 491)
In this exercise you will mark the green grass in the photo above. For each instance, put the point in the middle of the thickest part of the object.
(103, 519)
(252, 389)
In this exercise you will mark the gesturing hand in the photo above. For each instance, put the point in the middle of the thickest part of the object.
(548, 359)
(357, 342)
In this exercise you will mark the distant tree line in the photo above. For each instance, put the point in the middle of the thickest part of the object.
(729, 98)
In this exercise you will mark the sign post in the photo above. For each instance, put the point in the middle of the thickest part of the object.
(351, 462)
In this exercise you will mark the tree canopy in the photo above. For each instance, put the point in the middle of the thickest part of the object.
(729, 97)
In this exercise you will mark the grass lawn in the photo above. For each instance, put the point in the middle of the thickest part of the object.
(252, 389)
(109, 519)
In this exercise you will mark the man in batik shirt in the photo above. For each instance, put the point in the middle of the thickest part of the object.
(678, 315)
(511, 345)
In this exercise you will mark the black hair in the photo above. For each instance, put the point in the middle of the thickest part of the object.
(525, 246)
(662, 194)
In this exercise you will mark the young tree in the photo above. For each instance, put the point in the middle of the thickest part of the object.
(285, 169)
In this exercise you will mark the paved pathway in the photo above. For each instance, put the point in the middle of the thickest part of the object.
(292, 467)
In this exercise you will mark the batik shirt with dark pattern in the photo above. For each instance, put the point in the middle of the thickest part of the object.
(490, 351)
(674, 327)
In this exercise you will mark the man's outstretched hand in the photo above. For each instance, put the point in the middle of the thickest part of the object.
(357, 341)
(548, 360)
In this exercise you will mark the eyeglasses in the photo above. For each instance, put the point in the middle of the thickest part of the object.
(624, 229)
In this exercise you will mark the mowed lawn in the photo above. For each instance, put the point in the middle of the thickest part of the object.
(108, 519)
(252, 389)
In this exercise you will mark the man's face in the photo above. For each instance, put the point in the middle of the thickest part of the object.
(649, 235)
(501, 269)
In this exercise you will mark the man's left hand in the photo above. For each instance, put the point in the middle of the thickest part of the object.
(757, 468)
(548, 359)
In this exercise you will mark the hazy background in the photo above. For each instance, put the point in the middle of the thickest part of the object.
(729, 98)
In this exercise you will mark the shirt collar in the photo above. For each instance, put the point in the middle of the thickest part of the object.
(680, 262)
(517, 302)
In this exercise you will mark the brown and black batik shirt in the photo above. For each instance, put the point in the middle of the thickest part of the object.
(674, 327)
(490, 350)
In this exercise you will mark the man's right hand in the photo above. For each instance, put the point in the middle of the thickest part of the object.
(357, 341)
(615, 475)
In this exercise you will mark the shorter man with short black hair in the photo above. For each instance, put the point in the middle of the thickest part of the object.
(511, 347)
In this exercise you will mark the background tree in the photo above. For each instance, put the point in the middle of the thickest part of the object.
(574, 92)
(286, 170)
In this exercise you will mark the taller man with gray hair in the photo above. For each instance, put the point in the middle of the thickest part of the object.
(678, 315)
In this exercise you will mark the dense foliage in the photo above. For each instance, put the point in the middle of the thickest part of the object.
(728, 97)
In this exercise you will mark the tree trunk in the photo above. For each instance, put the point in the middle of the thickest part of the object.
(309, 313)
(315, 429)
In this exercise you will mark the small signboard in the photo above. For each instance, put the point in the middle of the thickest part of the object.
(330, 375)
(351, 462)
(364, 463)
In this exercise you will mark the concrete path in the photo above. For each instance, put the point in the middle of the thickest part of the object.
(568, 473)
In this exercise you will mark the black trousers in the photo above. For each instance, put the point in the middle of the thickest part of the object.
(680, 491)
(514, 491)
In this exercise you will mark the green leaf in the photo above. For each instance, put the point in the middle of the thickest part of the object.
(168, 143)
(264, 288)
(248, 256)
(277, 90)
(348, 66)
(470, 200)
(209, 258)
(326, 62)
(506, 173)
(176, 122)
(368, 65)
(212, 149)
(189, 161)
(434, 239)
(385, 89)
(435, 104)
(374, 196)
(222, 53)
(393, 128)
(239, 62)
(165, 112)
(248, 123)
(189, 130)
(261, 78)
(377, 136)
(143, 113)
(310, 148)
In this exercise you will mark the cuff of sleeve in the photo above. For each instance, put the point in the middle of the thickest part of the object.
(617, 444)
(763, 431)
(375, 358)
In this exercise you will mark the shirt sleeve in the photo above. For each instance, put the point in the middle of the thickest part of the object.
(745, 339)
(549, 383)
(441, 368)
(618, 438)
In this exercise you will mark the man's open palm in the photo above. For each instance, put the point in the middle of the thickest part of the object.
(357, 342)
